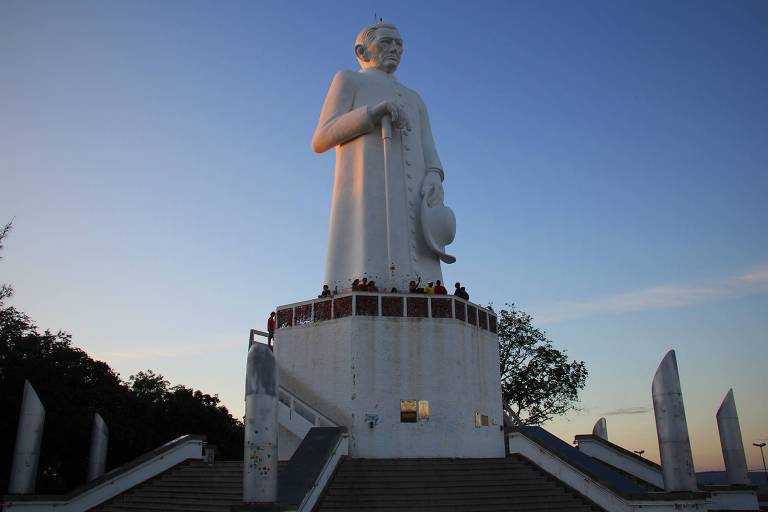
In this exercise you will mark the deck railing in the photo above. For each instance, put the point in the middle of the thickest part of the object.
(395, 305)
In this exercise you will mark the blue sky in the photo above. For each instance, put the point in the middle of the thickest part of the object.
(606, 162)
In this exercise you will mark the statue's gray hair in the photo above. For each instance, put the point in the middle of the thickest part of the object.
(366, 36)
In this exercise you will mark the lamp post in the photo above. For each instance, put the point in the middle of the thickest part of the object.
(639, 452)
(761, 445)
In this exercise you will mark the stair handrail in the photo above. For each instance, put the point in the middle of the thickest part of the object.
(294, 398)
(114, 482)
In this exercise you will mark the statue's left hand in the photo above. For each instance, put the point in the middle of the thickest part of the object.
(432, 189)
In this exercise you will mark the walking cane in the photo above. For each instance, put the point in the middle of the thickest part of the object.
(386, 137)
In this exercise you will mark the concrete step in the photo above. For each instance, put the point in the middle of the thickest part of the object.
(477, 485)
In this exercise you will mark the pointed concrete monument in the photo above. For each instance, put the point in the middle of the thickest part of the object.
(260, 460)
(97, 460)
(731, 441)
(600, 429)
(671, 427)
(29, 437)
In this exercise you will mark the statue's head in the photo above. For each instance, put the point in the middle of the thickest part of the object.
(379, 46)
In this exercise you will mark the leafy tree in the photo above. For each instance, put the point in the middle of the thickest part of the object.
(538, 381)
(6, 290)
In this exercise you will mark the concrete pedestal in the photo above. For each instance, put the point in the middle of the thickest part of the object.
(358, 368)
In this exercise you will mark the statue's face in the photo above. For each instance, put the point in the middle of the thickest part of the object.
(385, 50)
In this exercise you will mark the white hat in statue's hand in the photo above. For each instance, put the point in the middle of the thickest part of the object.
(438, 223)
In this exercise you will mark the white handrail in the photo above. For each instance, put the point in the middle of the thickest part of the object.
(116, 481)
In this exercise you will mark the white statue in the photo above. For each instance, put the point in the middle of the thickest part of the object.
(388, 222)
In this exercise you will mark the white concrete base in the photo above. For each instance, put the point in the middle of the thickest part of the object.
(357, 369)
(734, 499)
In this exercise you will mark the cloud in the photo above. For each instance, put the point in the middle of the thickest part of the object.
(757, 275)
(628, 410)
(663, 296)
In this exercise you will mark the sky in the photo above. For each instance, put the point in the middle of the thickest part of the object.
(607, 162)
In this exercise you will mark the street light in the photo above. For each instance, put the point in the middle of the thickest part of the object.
(639, 452)
(760, 445)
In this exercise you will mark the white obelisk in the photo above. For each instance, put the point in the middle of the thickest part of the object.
(672, 428)
(29, 437)
(260, 461)
(731, 442)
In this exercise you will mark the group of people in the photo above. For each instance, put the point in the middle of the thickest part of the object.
(358, 285)
(364, 285)
(431, 288)
(437, 288)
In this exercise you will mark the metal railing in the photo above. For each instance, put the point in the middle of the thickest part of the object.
(301, 408)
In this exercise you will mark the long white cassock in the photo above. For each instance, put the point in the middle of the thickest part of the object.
(357, 242)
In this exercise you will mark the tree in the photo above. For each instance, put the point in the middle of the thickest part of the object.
(538, 381)
(6, 290)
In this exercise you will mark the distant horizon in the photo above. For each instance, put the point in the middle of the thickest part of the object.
(605, 161)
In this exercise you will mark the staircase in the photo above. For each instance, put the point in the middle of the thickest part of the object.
(193, 486)
(477, 485)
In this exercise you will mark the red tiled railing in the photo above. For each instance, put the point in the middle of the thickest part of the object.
(388, 305)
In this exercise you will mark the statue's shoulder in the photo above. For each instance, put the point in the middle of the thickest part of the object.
(347, 76)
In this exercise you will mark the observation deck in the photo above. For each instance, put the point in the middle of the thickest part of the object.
(394, 305)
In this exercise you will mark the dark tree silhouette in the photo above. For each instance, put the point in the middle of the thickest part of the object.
(538, 381)
(6, 290)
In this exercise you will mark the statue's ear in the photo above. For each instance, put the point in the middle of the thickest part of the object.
(360, 52)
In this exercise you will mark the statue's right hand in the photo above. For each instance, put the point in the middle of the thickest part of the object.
(390, 108)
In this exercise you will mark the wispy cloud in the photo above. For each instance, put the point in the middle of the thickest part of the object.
(628, 410)
(663, 296)
(758, 275)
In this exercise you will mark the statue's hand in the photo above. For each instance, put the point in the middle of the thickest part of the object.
(396, 114)
(432, 189)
